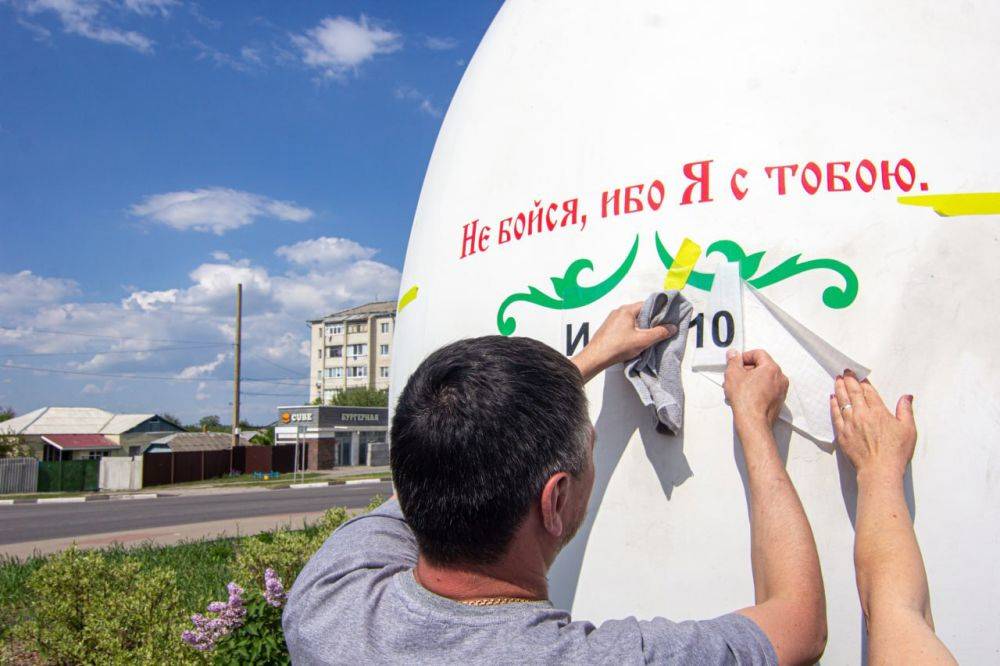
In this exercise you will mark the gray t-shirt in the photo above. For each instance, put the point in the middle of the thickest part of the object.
(357, 602)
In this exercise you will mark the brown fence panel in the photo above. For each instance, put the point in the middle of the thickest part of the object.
(283, 458)
(239, 459)
(156, 469)
(216, 464)
(187, 466)
(258, 459)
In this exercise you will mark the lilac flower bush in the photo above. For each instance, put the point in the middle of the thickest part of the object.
(229, 616)
(243, 630)
(274, 591)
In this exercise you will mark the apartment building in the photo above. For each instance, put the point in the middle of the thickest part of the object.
(351, 348)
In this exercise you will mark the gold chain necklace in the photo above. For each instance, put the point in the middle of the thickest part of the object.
(495, 601)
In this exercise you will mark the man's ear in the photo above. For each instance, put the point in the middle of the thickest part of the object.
(555, 495)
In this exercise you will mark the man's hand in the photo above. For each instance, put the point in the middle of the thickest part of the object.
(618, 340)
(871, 437)
(755, 387)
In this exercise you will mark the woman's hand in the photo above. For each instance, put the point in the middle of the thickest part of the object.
(871, 437)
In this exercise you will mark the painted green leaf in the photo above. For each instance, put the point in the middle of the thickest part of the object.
(569, 293)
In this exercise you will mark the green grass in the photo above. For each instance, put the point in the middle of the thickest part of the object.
(240, 480)
(367, 475)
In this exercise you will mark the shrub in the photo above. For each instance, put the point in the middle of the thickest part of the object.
(87, 610)
(241, 632)
(284, 551)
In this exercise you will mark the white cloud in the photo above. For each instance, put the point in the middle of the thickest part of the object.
(150, 7)
(193, 371)
(440, 43)
(248, 60)
(339, 44)
(215, 209)
(152, 332)
(149, 300)
(201, 393)
(94, 389)
(27, 290)
(85, 18)
(423, 101)
(219, 255)
(325, 250)
(251, 55)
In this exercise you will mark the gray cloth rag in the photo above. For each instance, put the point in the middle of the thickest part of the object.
(656, 372)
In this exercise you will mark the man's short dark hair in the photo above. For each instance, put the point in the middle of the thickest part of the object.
(482, 424)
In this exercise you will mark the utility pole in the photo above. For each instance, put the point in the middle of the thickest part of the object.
(236, 365)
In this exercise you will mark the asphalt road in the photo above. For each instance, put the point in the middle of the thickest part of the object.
(34, 522)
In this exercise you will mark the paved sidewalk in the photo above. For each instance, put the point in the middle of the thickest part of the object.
(165, 536)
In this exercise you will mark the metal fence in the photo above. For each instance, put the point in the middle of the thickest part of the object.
(68, 475)
(18, 475)
(162, 468)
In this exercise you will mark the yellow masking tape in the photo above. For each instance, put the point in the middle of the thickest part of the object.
(683, 264)
(407, 298)
(948, 205)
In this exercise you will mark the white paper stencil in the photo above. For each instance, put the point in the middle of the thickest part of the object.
(809, 361)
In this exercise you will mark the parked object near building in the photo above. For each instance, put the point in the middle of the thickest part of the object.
(351, 349)
(52, 432)
(335, 436)
(120, 473)
(378, 454)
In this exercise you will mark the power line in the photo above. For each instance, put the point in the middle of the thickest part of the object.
(110, 351)
(116, 375)
(275, 395)
(280, 367)
(113, 337)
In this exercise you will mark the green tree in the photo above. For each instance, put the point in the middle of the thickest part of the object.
(210, 423)
(361, 397)
(7, 413)
(167, 416)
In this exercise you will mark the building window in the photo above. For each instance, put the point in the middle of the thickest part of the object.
(356, 351)
(335, 352)
(319, 353)
(334, 373)
(334, 329)
(383, 350)
(134, 450)
(384, 327)
(357, 328)
(95, 455)
(383, 372)
(319, 375)
(357, 371)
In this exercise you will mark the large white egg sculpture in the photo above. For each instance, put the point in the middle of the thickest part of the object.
(844, 153)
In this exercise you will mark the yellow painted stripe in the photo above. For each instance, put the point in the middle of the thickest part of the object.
(949, 205)
(407, 298)
(683, 264)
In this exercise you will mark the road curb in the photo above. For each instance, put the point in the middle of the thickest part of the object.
(80, 498)
(354, 482)
(313, 484)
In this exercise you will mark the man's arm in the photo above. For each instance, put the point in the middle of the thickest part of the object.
(617, 340)
(788, 586)
(892, 582)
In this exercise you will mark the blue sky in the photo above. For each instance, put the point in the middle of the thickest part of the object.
(155, 152)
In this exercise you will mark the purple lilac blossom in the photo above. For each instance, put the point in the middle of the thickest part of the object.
(209, 630)
(274, 591)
